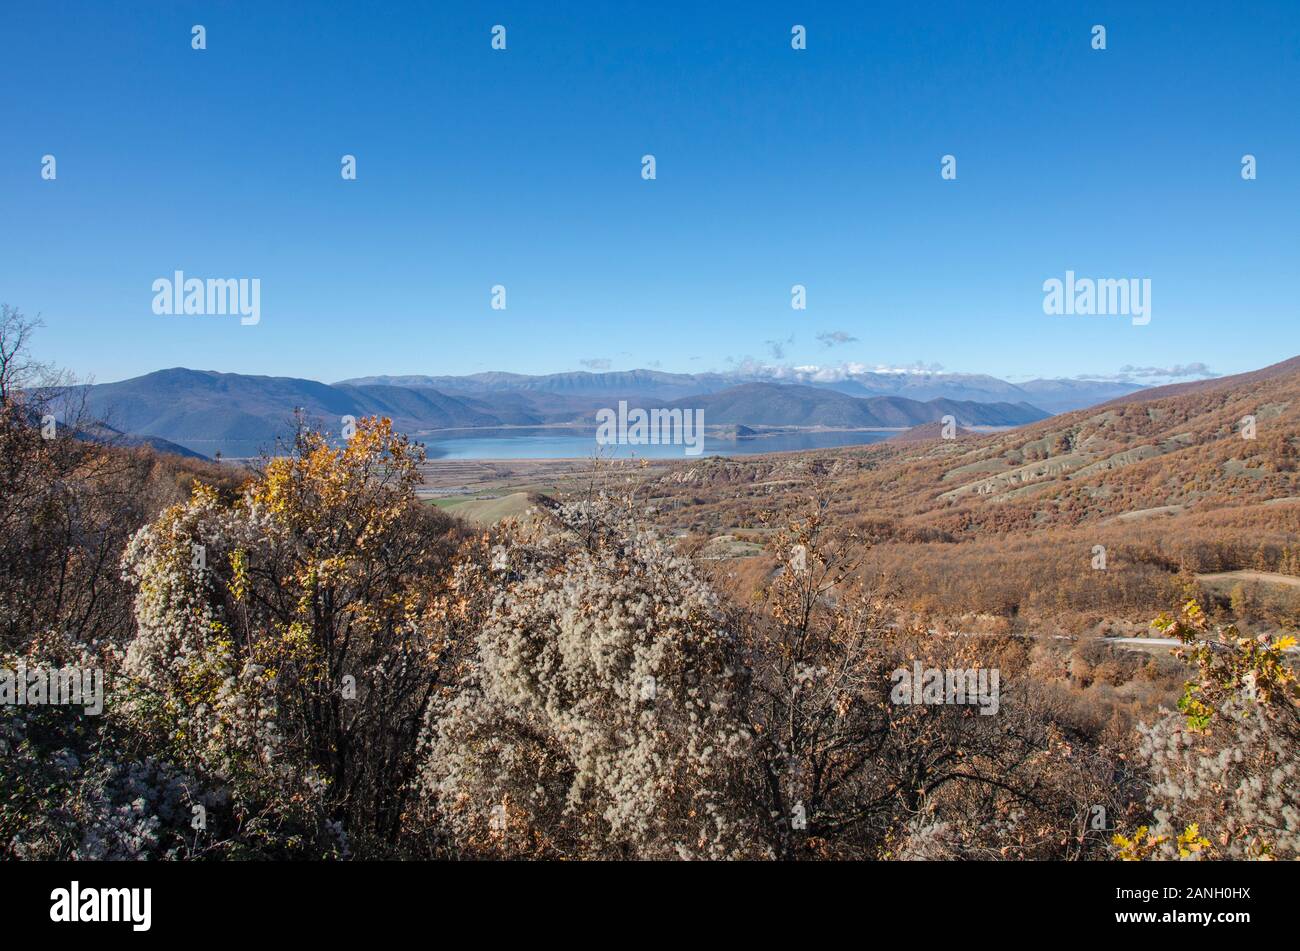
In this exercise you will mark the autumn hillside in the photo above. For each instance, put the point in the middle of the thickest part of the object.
(1191, 478)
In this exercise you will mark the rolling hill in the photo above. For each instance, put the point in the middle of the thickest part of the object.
(1168, 484)
(1179, 445)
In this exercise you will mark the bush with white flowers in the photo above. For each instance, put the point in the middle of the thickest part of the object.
(597, 716)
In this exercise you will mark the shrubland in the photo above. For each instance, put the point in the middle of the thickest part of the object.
(305, 661)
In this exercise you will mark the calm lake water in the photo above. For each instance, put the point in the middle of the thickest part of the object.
(581, 444)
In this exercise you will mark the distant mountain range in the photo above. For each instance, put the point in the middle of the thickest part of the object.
(1054, 396)
(240, 415)
(776, 404)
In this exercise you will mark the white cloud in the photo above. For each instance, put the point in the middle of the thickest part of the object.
(827, 373)
(1154, 375)
(834, 338)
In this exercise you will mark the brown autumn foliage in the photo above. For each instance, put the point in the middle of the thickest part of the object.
(500, 705)
(1007, 524)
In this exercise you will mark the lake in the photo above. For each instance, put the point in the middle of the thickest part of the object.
(543, 443)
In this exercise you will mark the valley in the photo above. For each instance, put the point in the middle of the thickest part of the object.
(1005, 526)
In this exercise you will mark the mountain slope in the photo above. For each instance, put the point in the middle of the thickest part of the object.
(1182, 445)
(1085, 523)
(1171, 449)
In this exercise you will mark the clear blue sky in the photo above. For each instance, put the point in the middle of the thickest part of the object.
(775, 167)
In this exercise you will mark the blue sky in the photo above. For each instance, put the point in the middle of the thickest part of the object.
(775, 167)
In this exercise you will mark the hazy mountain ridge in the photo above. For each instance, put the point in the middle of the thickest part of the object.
(1061, 396)
(1052, 395)
(773, 404)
